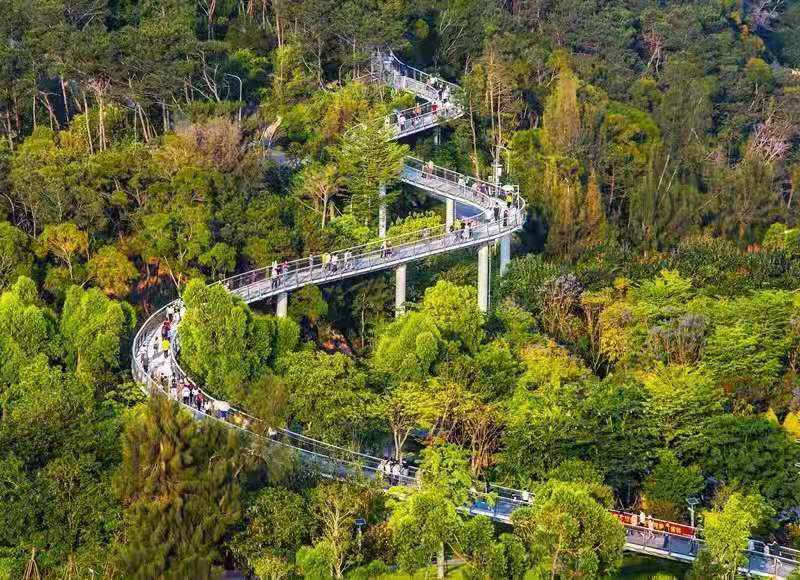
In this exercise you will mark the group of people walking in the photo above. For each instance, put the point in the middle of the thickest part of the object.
(174, 313)
(393, 471)
(277, 272)
(331, 262)
(189, 394)
(437, 90)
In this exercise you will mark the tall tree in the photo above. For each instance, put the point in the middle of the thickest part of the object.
(727, 531)
(178, 485)
(369, 160)
(569, 534)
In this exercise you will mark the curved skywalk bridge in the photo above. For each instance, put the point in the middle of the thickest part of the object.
(496, 219)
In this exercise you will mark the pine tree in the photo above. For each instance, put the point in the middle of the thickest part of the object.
(368, 158)
(562, 232)
(594, 217)
(562, 116)
(177, 483)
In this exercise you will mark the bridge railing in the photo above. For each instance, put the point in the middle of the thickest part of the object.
(259, 284)
(335, 461)
(498, 216)
(402, 76)
(421, 117)
(469, 188)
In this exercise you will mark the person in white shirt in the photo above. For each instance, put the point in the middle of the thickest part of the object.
(223, 408)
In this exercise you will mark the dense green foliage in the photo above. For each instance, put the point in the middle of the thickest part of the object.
(642, 349)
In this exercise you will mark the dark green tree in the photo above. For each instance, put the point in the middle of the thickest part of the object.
(177, 483)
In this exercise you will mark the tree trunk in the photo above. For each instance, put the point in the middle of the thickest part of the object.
(88, 128)
(441, 563)
(64, 96)
(101, 123)
(474, 140)
(9, 130)
(51, 112)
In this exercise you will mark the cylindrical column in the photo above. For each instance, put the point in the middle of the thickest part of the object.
(505, 253)
(450, 213)
(382, 211)
(483, 278)
(282, 306)
(400, 290)
(437, 135)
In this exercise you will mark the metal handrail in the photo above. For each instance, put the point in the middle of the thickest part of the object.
(472, 191)
(446, 183)
(388, 60)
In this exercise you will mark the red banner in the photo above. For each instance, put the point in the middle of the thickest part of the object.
(674, 528)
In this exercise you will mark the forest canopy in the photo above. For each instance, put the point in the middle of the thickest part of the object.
(640, 352)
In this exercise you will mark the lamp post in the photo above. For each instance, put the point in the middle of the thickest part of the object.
(692, 502)
(360, 523)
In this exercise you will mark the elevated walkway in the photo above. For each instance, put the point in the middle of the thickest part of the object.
(496, 218)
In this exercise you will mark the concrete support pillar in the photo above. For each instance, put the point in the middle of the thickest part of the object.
(282, 307)
(437, 135)
(505, 253)
(400, 290)
(382, 211)
(450, 213)
(483, 278)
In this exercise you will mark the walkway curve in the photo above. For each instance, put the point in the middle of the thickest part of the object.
(155, 372)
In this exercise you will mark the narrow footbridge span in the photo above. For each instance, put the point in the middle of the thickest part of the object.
(497, 212)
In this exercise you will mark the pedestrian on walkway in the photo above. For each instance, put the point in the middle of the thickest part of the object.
(274, 274)
(224, 408)
(427, 170)
(165, 347)
(186, 395)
